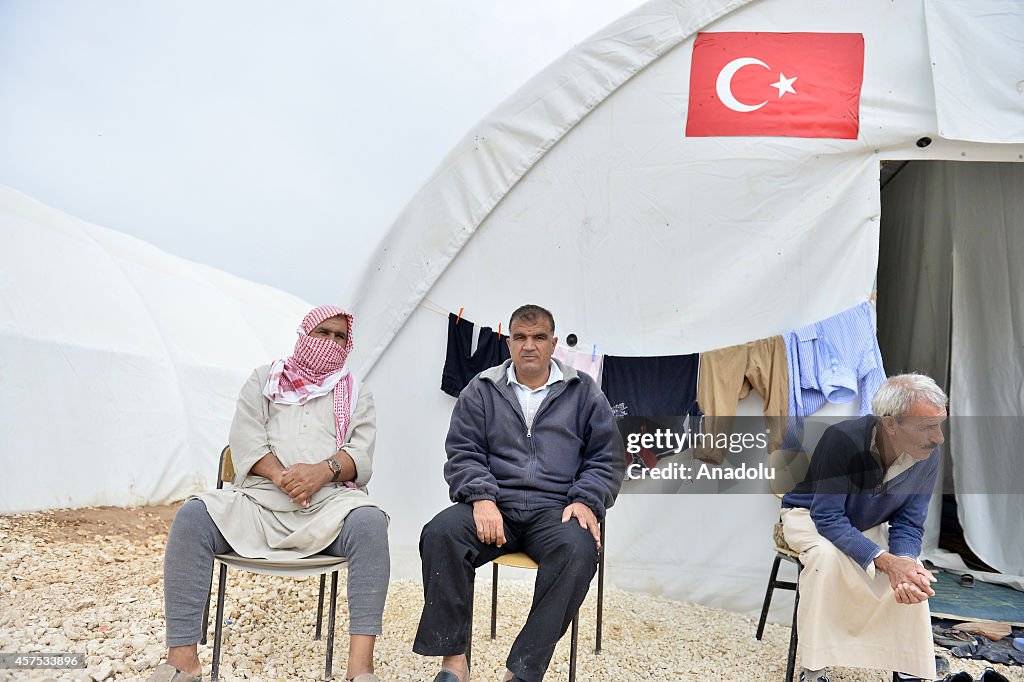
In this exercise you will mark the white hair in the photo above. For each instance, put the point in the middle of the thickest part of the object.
(899, 393)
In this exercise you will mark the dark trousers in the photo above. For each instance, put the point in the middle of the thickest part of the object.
(450, 553)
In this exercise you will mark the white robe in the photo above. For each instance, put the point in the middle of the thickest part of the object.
(258, 519)
(849, 617)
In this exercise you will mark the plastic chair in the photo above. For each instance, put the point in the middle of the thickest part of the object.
(318, 564)
(523, 560)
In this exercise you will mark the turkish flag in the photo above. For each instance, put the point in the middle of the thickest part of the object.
(776, 84)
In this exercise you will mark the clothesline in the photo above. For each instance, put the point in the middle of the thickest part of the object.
(433, 307)
(796, 373)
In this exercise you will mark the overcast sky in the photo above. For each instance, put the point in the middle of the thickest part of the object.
(273, 140)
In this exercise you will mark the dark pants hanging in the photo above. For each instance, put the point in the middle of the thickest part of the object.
(450, 553)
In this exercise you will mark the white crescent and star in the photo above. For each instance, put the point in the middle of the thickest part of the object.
(724, 84)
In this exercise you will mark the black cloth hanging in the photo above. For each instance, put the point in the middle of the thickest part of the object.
(651, 393)
(460, 366)
(656, 386)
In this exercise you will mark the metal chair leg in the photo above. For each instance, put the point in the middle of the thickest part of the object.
(768, 597)
(600, 593)
(320, 608)
(206, 617)
(494, 603)
(573, 646)
(219, 627)
(469, 628)
(574, 637)
(329, 667)
(791, 658)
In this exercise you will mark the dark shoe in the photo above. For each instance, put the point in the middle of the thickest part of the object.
(446, 676)
(898, 677)
(991, 675)
(958, 677)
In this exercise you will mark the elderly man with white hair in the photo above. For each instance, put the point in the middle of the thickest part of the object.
(857, 520)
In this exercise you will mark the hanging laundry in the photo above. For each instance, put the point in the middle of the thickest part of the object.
(656, 393)
(464, 360)
(726, 377)
(832, 361)
(663, 385)
(581, 360)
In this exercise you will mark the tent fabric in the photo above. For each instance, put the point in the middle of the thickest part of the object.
(624, 93)
(915, 273)
(582, 193)
(501, 149)
(959, 227)
(915, 285)
(987, 381)
(977, 53)
(119, 364)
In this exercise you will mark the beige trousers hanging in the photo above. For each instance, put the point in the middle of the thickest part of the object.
(726, 377)
(849, 617)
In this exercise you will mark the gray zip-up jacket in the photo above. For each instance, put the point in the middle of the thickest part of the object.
(569, 454)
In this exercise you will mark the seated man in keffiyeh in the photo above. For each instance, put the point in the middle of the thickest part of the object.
(302, 447)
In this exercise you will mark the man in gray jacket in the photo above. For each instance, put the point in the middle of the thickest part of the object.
(532, 467)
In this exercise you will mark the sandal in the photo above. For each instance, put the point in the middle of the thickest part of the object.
(950, 637)
(165, 672)
(966, 650)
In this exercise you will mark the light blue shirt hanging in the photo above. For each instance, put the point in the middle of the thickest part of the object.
(832, 361)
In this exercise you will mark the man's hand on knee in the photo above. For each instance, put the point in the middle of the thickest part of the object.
(909, 594)
(301, 481)
(586, 518)
(490, 526)
(909, 580)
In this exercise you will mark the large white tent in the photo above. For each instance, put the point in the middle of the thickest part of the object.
(582, 192)
(119, 363)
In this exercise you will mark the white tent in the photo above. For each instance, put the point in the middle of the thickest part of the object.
(119, 364)
(582, 192)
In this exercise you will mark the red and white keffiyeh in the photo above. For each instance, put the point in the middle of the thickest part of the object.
(314, 368)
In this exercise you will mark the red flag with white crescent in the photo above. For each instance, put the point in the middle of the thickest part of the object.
(776, 84)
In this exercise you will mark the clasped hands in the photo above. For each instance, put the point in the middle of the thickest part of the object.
(910, 581)
(490, 526)
(301, 481)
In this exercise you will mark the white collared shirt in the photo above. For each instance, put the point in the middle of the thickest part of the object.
(531, 398)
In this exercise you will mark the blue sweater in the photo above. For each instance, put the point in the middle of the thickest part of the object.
(844, 491)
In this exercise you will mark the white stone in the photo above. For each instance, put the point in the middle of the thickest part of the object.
(104, 671)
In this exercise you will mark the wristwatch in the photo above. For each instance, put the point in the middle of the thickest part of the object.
(335, 467)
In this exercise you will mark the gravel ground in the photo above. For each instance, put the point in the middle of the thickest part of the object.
(91, 581)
